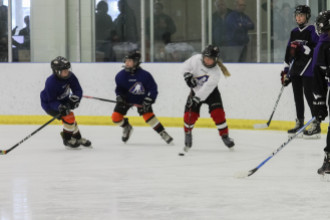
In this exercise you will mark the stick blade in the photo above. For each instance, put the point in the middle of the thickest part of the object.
(260, 126)
(242, 174)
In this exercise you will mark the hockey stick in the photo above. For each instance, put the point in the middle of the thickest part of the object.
(182, 153)
(109, 100)
(245, 174)
(3, 152)
(266, 125)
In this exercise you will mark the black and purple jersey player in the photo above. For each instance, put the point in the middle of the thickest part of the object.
(321, 81)
(136, 86)
(298, 69)
(62, 94)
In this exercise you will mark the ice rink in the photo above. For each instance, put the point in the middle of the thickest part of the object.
(146, 179)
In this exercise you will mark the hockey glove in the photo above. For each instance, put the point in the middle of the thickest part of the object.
(64, 109)
(74, 101)
(296, 48)
(193, 102)
(320, 108)
(146, 105)
(190, 80)
(285, 80)
(120, 100)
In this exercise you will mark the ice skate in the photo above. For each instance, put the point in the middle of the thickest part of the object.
(84, 142)
(187, 141)
(314, 131)
(70, 143)
(229, 142)
(293, 131)
(127, 131)
(325, 169)
(166, 137)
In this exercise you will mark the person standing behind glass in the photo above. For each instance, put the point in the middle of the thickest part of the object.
(3, 32)
(237, 25)
(104, 31)
(125, 23)
(26, 33)
(164, 25)
(218, 25)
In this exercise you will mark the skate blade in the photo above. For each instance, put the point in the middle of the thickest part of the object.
(186, 149)
(313, 137)
(231, 149)
(73, 148)
(325, 177)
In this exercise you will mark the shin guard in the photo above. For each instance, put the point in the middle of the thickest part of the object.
(218, 116)
(151, 120)
(190, 119)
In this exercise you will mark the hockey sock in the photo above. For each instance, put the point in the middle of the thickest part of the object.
(151, 120)
(218, 116)
(190, 119)
(76, 132)
(118, 119)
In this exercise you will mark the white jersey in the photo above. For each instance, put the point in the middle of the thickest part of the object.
(207, 78)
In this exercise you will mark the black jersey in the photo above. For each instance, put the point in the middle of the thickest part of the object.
(301, 64)
(321, 67)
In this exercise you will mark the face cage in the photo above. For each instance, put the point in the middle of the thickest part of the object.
(215, 59)
(58, 73)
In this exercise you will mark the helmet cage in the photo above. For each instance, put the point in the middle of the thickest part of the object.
(303, 9)
(59, 64)
(212, 52)
(134, 55)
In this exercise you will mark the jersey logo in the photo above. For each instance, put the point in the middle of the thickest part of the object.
(65, 93)
(137, 89)
(202, 79)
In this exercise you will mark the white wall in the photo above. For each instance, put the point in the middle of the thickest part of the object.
(250, 93)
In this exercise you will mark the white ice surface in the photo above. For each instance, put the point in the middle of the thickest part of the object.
(146, 179)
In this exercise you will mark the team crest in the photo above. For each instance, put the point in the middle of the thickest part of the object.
(137, 89)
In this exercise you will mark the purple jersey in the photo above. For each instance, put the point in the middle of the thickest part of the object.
(302, 63)
(135, 87)
(57, 91)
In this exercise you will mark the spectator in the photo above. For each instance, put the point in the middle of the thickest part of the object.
(238, 24)
(218, 25)
(104, 31)
(3, 32)
(164, 25)
(26, 33)
(125, 23)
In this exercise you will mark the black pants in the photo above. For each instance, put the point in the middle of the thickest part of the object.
(213, 101)
(302, 85)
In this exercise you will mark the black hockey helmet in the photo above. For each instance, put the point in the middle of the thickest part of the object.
(303, 9)
(134, 55)
(58, 64)
(211, 51)
(322, 23)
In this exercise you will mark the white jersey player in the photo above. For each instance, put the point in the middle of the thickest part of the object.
(202, 74)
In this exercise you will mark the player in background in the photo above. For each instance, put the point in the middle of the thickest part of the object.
(62, 93)
(321, 81)
(135, 85)
(202, 74)
(298, 69)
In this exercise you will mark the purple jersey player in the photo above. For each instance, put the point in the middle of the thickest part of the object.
(62, 94)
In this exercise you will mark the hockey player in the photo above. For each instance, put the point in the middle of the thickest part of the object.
(202, 74)
(321, 81)
(135, 85)
(62, 93)
(298, 56)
